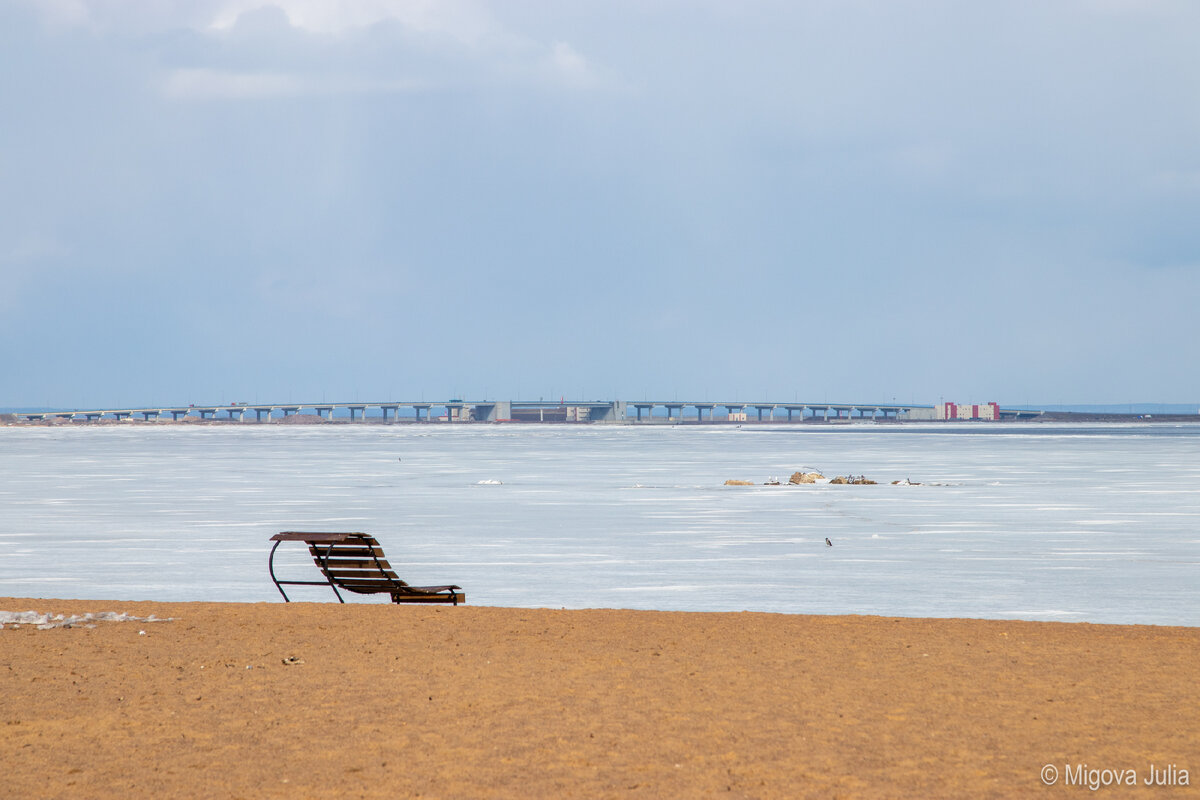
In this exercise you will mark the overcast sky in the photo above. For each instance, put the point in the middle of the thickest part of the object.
(392, 199)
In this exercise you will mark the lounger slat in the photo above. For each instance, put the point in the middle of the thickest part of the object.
(347, 552)
(358, 563)
(350, 574)
(335, 569)
(399, 585)
(348, 544)
(334, 558)
(351, 569)
(357, 566)
(312, 536)
(353, 574)
(455, 598)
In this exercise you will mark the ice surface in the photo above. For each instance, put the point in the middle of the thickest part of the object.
(1030, 521)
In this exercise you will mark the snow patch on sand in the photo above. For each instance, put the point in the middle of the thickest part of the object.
(48, 621)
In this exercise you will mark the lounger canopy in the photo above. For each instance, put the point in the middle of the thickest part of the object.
(355, 562)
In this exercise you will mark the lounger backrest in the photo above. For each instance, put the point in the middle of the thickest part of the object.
(356, 564)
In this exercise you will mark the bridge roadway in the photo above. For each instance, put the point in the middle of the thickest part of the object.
(458, 410)
(675, 409)
(452, 410)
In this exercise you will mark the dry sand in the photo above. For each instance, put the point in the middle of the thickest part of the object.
(475, 702)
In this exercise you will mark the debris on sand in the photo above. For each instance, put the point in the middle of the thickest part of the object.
(45, 621)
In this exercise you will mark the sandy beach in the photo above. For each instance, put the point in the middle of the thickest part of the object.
(359, 700)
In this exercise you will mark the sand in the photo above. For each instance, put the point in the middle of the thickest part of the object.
(324, 700)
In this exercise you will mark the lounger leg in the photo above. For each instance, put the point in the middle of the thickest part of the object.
(271, 569)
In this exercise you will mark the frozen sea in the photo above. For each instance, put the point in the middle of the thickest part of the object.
(1030, 521)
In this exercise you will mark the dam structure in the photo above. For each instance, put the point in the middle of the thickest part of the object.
(459, 411)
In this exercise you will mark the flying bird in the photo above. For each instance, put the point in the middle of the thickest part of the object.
(827, 542)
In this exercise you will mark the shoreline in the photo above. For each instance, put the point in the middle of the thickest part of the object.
(322, 699)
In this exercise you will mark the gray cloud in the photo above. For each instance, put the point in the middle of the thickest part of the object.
(933, 198)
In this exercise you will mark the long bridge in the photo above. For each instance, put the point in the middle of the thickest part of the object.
(458, 410)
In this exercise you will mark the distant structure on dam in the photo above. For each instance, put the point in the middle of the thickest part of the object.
(948, 411)
(461, 411)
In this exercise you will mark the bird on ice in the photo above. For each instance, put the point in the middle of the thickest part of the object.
(827, 542)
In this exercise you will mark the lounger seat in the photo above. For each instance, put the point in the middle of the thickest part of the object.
(355, 562)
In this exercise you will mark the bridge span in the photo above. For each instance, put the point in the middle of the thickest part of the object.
(458, 410)
(455, 410)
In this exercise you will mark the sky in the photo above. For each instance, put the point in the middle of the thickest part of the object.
(359, 200)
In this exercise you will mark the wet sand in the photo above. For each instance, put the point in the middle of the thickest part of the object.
(324, 700)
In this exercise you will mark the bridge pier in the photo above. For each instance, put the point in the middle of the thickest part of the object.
(614, 413)
(492, 412)
(791, 409)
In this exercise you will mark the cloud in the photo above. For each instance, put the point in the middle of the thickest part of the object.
(126, 17)
(22, 264)
(213, 84)
(463, 21)
(1184, 182)
(250, 49)
(33, 249)
(64, 12)
(567, 60)
(209, 84)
